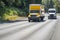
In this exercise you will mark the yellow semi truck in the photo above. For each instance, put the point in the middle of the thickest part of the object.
(35, 12)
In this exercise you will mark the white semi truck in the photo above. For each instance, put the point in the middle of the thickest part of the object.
(52, 13)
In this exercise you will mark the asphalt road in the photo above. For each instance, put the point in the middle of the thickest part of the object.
(23, 30)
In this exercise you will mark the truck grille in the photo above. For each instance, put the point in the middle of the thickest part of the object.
(51, 15)
(33, 15)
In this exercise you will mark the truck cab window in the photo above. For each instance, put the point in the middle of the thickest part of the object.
(51, 11)
(34, 11)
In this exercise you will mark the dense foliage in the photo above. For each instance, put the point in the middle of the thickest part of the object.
(51, 4)
(9, 7)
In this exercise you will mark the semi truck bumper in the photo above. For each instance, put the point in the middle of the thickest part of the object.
(52, 17)
(33, 18)
(36, 18)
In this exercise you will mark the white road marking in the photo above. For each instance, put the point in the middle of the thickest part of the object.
(44, 33)
(14, 28)
(25, 32)
(11, 24)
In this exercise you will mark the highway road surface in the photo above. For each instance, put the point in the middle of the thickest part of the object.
(24, 30)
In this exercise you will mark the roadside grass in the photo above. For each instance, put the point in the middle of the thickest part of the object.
(17, 20)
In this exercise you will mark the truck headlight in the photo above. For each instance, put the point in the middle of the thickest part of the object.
(38, 15)
(29, 15)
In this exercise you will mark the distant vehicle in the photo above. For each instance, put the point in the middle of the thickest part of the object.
(52, 13)
(35, 13)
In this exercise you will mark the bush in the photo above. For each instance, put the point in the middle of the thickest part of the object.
(10, 15)
(20, 12)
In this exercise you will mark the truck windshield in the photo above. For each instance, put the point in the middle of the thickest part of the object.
(51, 11)
(34, 11)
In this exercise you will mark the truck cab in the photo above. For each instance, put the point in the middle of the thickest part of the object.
(52, 13)
(35, 13)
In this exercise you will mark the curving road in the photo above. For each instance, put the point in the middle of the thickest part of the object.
(23, 30)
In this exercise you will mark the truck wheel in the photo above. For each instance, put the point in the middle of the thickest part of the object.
(42, 18)
(48, 18)
(29, 20)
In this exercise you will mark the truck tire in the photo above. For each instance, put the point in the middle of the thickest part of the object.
(28, 20)
(48, 18)
(42, 18)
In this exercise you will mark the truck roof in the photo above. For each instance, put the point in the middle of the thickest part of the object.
(34, 4)
(52, 9)
(34, 7)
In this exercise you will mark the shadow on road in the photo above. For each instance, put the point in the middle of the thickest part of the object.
(2, 22)
(40, 21)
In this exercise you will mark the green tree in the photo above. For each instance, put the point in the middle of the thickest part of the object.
(51, 4)
(46, 3)
(57, 5)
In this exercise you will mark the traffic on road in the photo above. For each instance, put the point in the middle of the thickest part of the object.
(24, 30)
(29, 20)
